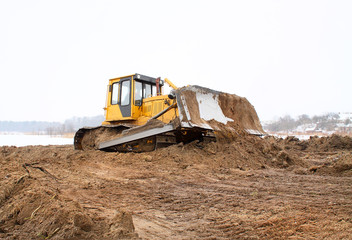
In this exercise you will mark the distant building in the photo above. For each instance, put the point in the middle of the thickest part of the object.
(344, 128)
(345, 115)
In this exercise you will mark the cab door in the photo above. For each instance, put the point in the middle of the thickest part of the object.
(119, 100)
(125, 97)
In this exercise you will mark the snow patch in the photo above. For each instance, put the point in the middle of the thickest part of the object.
(209, 108)
(20, 140)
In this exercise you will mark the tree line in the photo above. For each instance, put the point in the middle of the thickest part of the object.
(326, 122)
(51, 128)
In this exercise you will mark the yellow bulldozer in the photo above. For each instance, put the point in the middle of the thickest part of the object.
(139, 118)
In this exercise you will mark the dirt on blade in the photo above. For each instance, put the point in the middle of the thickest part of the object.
(205, 107)
(242, 187)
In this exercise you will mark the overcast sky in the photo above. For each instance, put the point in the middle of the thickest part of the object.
(285, 57)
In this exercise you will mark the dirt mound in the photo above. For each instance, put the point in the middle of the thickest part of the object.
(37, 208)
(319, 155)
(37, 203)
(330, 143)
(317, 144)
(339, 164)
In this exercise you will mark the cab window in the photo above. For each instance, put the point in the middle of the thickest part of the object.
(147, 90)
(115, 93)
(138, 93)
(125, 93)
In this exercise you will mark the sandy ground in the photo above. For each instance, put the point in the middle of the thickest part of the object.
(249, 188)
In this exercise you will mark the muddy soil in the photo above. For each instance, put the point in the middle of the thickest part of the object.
(246, 188)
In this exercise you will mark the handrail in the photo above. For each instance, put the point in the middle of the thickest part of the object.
(170, 83)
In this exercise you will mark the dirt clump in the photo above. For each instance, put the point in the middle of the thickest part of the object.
(83, 222)
(121, 226)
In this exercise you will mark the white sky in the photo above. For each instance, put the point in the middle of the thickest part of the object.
(285, 57)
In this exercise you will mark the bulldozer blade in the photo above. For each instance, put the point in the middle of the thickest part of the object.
(209, 109)
(136, 136)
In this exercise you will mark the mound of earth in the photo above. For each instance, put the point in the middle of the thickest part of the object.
(330, 143)
(242, 186)
(38, 202)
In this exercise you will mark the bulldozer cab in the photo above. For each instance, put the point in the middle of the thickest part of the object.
(126, 94)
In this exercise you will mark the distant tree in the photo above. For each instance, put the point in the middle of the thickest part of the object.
(333, 116)
(70, 125)
(69, 128)
(61, 129)
(326, 122)
(303, 119)
(283, 124)
(287, 123)
(347, 121)
(274, 127)
(318, 119)
(50, 131)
